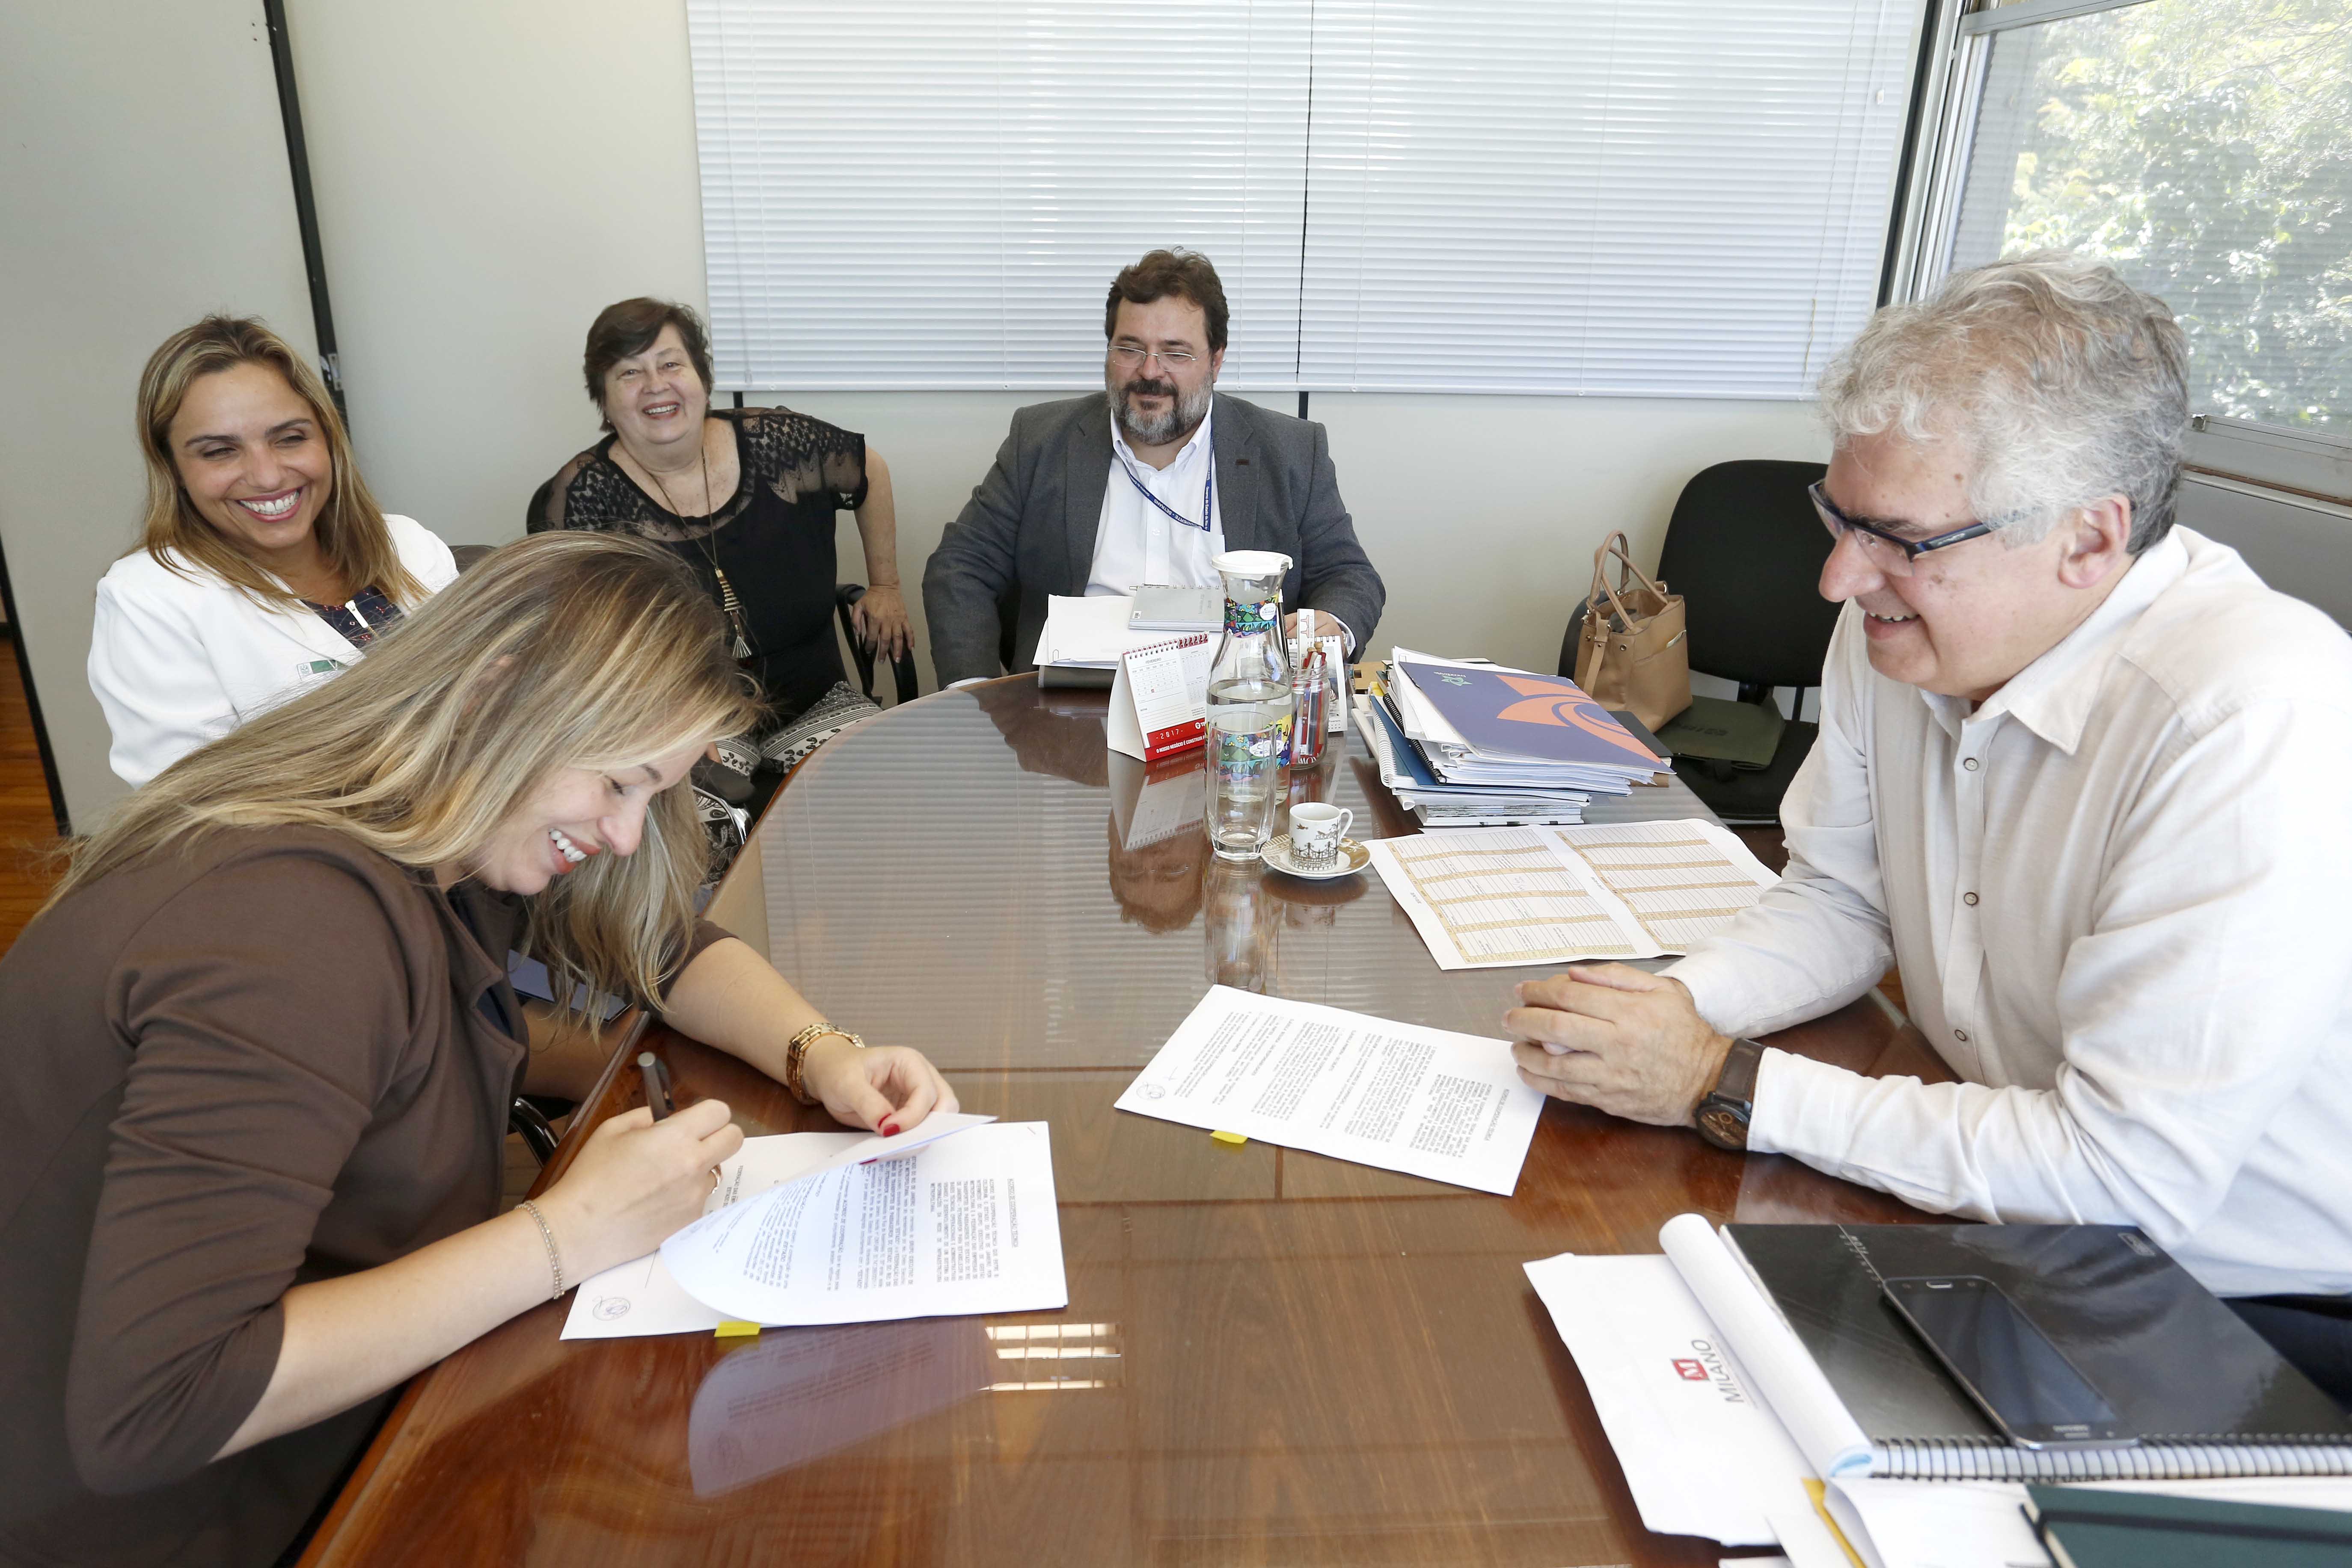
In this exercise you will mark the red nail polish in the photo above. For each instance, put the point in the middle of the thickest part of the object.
(890, 1129)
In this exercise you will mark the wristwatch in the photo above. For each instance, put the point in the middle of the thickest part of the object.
(1723, 1115)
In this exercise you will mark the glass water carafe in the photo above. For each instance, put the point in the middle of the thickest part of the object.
(1249, 707)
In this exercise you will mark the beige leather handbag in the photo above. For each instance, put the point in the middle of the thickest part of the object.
(1631, 654)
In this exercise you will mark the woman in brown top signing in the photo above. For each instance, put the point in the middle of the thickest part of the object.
(261, 1047)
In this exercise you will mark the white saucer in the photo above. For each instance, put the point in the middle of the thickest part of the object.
(1351, 858)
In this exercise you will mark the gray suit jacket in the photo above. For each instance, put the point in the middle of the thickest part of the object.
(1029, 529)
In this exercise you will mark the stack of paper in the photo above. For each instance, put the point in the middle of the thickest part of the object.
(1464, 742)
(1440, 804)
(1089, 633)
(844, 1227)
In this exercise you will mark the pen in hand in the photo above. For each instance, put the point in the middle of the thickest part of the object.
(656, 1084)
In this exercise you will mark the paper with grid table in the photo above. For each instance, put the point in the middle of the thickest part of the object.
(1492, 898)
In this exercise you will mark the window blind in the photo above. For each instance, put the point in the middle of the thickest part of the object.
(1598, 195)
(1480, 195)
(935, 194)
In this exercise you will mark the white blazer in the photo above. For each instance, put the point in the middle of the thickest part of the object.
(179, 661)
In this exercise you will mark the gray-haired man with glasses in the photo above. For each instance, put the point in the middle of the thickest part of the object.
(2082, 777)
(1142, 485)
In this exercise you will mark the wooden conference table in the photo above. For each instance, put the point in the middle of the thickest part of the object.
(1268, 1357)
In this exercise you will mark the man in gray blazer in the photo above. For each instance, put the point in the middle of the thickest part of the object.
(1143, 485)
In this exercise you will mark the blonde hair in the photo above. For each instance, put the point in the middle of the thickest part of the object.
(351, 527)
(562, 650)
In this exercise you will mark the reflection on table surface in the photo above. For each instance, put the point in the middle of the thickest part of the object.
(1268, 1356)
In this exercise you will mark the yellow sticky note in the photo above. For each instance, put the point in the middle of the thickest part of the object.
(1820, 1494)
(1237, 1138)
(731, 1329)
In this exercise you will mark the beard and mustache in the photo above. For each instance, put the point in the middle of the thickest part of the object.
(1185, 411)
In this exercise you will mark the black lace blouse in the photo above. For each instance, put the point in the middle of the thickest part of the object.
(773, 537)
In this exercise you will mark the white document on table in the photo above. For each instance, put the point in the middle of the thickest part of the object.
(641, 1297)
(962, 1226)
(1426, 1102)
(1702, 1453)
(1089, 629)
(1492, 898)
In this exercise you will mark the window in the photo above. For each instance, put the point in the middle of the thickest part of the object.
(2200, 147)
(1471, 195)
(935, 194)
(1524, 196)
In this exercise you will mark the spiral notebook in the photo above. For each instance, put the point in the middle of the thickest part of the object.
(2205, 1395)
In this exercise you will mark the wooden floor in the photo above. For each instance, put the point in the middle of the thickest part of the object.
(28, 828)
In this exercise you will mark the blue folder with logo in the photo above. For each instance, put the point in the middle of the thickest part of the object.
(1508, 713)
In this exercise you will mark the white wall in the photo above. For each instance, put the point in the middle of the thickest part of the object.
(488, 177)
(1482, 512)
(144, 183)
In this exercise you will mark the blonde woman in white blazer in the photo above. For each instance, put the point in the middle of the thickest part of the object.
(265, 566)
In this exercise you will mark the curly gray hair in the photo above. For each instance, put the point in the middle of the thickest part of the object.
(2063, 383)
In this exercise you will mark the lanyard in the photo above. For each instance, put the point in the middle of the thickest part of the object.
(1207, 492)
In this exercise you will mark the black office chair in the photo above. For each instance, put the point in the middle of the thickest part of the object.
(844, 595)
(1008, 621)
(902, 668)
(1745, 549)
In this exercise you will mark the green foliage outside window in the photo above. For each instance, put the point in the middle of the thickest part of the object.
(2204, 147)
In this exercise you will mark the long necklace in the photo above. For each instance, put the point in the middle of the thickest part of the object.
(727, 601)
(1208, 493)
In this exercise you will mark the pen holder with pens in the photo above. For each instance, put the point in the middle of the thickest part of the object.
(1306, 742)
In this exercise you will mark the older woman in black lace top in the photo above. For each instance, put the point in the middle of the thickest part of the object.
(747, 497)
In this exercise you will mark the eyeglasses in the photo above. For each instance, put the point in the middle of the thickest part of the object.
(1890, 552)
(1130, 356)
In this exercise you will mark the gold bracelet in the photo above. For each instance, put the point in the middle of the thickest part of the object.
(796, 1053)
(554, 1259)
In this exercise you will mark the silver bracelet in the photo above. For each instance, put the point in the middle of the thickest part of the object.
(554, 1259)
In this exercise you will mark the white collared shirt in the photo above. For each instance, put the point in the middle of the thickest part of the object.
(2120, 893)
(1137, 544)
(180, 659)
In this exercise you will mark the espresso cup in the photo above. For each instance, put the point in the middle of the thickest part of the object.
(1315, 833)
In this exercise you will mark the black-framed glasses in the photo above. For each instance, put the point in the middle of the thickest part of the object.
(1890, 552)
(1130, 355)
